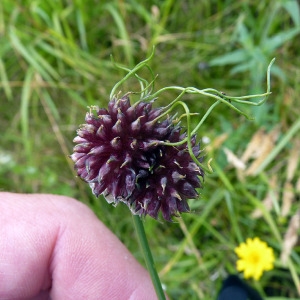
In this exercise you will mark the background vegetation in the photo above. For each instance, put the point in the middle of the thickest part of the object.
(55, 61)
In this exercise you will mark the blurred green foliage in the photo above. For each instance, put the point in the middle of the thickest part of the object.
(55, 61)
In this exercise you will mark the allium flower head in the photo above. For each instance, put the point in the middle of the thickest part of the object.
(255, 257)
(121, 153)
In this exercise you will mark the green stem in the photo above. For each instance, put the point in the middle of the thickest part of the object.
(293, 130)
(148, 257)
(294, 275)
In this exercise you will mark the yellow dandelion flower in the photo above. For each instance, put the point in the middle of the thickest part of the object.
(255, 257)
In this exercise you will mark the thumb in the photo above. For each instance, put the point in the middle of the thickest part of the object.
(55, 245)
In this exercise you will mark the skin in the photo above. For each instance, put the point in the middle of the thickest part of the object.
(54, 247)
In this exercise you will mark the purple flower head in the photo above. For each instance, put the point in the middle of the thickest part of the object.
(122, 153)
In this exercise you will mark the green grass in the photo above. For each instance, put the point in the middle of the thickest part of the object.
(55, 61)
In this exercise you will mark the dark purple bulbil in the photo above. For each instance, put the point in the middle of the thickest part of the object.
(120, 153)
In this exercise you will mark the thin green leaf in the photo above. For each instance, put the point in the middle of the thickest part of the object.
(43, 63)
(51, 104)
(122, 31)
(234, 57)
(244, 36)
(292, 7)
(279, 39)
(77, 98)
(41, 13)
(24, 109)
(243, 67)
(19, 47)
(4, 80)
(286, 138)
(81, 29)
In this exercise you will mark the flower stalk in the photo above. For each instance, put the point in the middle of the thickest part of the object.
(140, 231)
